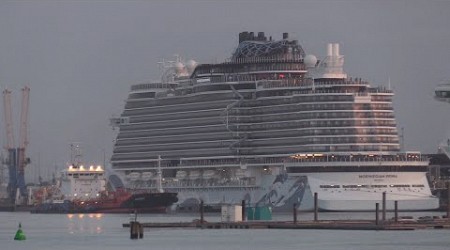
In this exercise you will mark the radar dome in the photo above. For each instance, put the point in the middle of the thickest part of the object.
(179, 67)
(310, 61)
(191, 64)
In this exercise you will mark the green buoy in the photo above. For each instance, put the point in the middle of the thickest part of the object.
(19, 234)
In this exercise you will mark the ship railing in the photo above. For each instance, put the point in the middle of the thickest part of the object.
(282, 83)
(346, 81)
(151, 85)
(295, 82)
(358, 158)
(380, 90)
(274, 59)
(276, 82)
(257, 64)
(198, 182)
(337, 158)
(232, 163)
(196, 163)
(209, 162)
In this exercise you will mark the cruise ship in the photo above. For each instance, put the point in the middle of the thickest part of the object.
(271, 126)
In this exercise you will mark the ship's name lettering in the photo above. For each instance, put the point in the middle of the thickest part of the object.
(377, 176)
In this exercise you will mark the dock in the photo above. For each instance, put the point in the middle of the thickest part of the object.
(322, 224)
(238, 214)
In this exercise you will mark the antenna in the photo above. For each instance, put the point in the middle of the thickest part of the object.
(75, 154)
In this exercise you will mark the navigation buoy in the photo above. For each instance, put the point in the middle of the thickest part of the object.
(19, 234)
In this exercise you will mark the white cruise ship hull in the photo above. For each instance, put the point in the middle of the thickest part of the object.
(277, 191)
(409, 189)
(281, 192)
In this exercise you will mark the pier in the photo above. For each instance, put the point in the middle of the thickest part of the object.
(441, 223)
(239, 221)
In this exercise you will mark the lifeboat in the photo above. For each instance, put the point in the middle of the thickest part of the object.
(240, 173)
(208, 174)
(133, 176)
(146, 176)
(181, 174)
(194, 174)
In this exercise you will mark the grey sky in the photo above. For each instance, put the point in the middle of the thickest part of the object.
(80, 57)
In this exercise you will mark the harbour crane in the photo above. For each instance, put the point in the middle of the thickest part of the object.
(17, 159)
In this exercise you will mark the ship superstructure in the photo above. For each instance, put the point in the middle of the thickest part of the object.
(83, 183)
(272, 126)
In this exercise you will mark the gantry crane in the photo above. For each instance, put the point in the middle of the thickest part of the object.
(17, 159)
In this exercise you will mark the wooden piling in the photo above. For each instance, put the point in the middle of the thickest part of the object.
(396, 211)
(376, 213)
(201, 212)
(243, 210)
(316, 207)
(295, 213)
(384, 207)
(134, 229)
(141, 230)
(448, 200)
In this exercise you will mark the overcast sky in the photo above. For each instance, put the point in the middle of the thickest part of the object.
(80, 58)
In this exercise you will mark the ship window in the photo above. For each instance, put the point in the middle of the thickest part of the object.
(399, 185)
(330, 186)
(379, 186)
(355, 186)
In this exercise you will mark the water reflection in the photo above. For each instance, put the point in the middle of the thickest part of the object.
(85, 223)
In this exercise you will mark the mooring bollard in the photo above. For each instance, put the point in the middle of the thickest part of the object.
(316, 207)
(376, 213)
(295, 213)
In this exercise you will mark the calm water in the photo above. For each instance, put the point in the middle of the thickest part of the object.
(104, 231)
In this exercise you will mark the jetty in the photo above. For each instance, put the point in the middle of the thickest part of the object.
(234, 217)
(245, 217)
(436, 223)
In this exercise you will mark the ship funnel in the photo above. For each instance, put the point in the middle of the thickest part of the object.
(332, 65)
(336, 49)
(330, 49)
